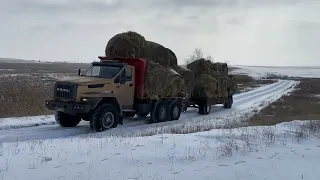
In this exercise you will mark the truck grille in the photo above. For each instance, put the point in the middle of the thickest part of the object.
(66, 91)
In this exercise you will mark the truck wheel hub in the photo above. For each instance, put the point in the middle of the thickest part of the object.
(176, 111)
(163, 113)
(107, 120)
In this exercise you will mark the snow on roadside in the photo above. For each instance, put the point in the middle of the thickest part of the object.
(243, 70)
(239, 153)
(60, 76)
(264, 71)
(30, 121)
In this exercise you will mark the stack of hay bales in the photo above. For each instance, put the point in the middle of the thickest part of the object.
(161, 79)
(164, 78)
(206, 78)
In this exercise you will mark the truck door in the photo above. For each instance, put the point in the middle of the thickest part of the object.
(125, 88)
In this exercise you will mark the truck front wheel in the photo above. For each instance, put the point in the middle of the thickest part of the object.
(105, 117)
(66, 120)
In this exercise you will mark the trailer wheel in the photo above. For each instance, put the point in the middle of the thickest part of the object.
(175, 111)
(204, 109)
(66, 120)
(229, 102)
(105, 117)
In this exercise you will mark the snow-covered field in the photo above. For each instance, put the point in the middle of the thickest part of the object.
(263, 71)
(194, 147)
(244, 153)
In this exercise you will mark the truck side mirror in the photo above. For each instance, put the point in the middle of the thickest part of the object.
(79, 72)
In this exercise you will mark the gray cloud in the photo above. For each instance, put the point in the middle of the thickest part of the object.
(253, 32)
(56, 7)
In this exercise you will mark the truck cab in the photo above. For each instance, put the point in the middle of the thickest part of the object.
(109, 85)
(117, 81)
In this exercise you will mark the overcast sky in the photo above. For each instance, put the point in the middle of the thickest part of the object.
(242, 32)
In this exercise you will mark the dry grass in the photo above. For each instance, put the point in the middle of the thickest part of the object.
(24, 87)
(302, 104)
(24, 95)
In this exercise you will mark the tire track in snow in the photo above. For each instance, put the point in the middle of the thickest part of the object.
(280, 86)
(54, 131)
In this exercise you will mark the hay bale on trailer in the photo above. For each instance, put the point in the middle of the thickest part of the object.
(188, 76)
(158, 53)
(206, 87)
(163, 82)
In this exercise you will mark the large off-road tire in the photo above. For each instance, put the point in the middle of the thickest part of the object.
(175, 110)
(142, 114)
(105, 117)
(66, 120)
(229, 102)
(204, 108)
(161, 113)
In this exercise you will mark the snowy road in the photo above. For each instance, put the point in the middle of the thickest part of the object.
(243, 103)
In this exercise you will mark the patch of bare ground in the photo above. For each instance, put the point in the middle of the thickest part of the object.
(24, 95)
(302, 104)
(24, 87)
(246, 83)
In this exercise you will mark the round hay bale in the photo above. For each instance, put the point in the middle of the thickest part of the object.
(163, 82)
(200, 66)
(175, 86)
(206, 87)
(222, 68)
(172, 58)
(126, 44)
(188, 76)
(132, 44)
(157, 53)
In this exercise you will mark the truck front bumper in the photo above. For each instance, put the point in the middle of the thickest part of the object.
(68, 107)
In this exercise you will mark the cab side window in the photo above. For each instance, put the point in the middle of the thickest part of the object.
(120, 77)
(124, 76)
(128, 75)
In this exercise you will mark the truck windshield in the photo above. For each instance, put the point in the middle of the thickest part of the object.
(102, 71)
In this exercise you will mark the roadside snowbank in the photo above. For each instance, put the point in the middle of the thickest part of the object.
(276, 152)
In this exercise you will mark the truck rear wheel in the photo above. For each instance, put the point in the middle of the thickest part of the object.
(105, 117)
(66, 120)
(161, 113)
(175, 111)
